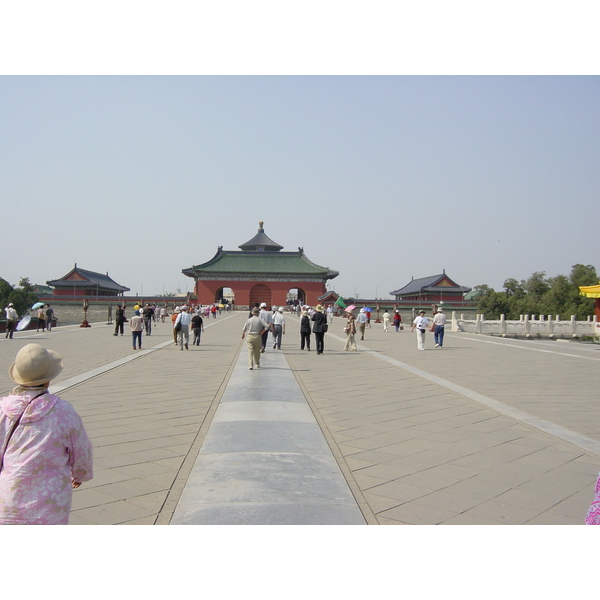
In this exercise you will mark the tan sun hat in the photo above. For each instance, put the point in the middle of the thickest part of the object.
(35, 365)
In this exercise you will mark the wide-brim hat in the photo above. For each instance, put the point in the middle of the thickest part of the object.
(35, 365)
(281, 309)
(319, 308)
(255, 311)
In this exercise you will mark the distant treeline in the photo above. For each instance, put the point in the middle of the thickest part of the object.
(22, 296)
(540, 295)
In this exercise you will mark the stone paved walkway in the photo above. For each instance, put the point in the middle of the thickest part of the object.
(483, 431)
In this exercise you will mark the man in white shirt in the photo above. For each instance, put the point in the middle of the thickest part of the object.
(420, 324)
(11, 320)
(185, 319)
(265, 315)
(362, 323)
(278, 327)
(438, 328)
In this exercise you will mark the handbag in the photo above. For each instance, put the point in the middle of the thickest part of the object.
(325, 327)
(178, 325)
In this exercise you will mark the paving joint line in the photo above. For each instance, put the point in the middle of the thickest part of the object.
(363, 505)
(169, 506)
(558, 431)
(67, 384)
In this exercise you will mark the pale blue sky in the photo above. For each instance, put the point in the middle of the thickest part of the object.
(380, 178)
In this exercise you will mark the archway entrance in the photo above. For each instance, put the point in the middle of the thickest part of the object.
(296, 297)
(260, 293)
(225, 296)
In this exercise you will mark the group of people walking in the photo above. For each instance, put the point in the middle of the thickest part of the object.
(261, 322)
(183, 319)
(421, 325)
(45, 317)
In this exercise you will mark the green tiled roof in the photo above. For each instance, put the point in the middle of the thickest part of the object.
(264, 263)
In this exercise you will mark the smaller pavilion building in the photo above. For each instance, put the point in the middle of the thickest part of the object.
(431, 290)
(259, 272)
(83, 283)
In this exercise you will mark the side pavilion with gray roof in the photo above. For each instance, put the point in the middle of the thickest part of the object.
(81, 282)
(259, 272)
(433, 289)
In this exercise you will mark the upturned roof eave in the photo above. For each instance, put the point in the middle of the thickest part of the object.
(319, 272)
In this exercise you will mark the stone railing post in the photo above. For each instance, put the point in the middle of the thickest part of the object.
(527, 326)
(454, 322)
(503, 325)
(573, 326)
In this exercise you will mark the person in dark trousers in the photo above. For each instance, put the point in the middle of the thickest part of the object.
(120, 320)
(148, 318)
(305, 331)
(197, 328)
(319, 327)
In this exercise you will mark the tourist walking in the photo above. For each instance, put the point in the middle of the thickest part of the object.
(386, 320)
(438, 328)
(362, 323)
(197, 328)
(278, 328)
(41, 315)
(148, 318)
(330, 313)
(45, 450)
(173, 319)
(397, 320)
(254, 327)
(319, 328)
(49, 317)
(266, 316)
(420, 324)
(305, 330)
(137, 326)
(182, 327)
(120, 320)
(11, 320)
(350, 331)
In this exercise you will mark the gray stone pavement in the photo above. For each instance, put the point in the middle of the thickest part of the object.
(483, 431)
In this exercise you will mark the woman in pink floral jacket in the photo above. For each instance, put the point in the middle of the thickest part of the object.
(593, 515)
(44, 449)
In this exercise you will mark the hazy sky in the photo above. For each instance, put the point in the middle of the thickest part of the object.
(380, 178)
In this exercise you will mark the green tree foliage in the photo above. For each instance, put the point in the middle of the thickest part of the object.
(540, 295)
(21, 296)
(5, 290)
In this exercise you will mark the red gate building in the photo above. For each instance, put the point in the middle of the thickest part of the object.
(260, 272)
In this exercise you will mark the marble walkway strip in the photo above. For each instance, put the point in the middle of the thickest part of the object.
(264, 460)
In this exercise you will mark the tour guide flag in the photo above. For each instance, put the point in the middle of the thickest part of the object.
(340, 302)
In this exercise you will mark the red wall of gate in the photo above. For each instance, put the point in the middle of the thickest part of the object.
(206, 291)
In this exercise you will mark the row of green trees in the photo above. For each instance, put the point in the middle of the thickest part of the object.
(22, 296)
(540, 295)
